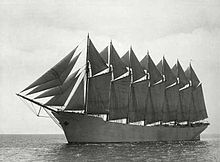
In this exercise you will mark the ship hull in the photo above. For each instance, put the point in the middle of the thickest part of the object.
(81, 128)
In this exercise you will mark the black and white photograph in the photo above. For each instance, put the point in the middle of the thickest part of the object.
(109, 80)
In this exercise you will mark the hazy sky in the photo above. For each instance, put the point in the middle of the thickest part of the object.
(35, 35)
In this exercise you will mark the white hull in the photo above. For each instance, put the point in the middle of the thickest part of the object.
(81, 128)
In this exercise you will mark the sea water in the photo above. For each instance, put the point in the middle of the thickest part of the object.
(55, 148)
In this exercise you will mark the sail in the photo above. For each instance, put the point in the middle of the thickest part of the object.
(150, 115)
(171, 104)
(98, 94)
(45, 86)
(57, 82)
(193, 112)
(157, 99)
(186, 102)
(119, 98)
(126, 59)
(119, 67)
(60, 99)
(134, 64)
(151, 68)
(69, 68)
(191, 75)
(60, 89)
(54, 73)
(77, 100)
(104, 54)
(138, 106)
(165, 70)
(178, 71)
(96, 61)
(137, 70)
(199, 103)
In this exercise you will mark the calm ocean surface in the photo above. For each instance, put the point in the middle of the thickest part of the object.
(55, 148)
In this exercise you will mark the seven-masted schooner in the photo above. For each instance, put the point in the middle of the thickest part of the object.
(113, 99)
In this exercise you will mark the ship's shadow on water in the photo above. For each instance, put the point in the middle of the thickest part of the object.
(147, 151)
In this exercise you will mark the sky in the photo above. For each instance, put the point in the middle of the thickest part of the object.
(35, 35)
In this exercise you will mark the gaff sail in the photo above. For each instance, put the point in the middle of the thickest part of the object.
(98, 94)
(157, 100)
(197, 109)
(199, 103)
(119, 99)
(138, 103)
(138, 89)
(156, 94)
(171, 103)
(184, 96)
(186, 103)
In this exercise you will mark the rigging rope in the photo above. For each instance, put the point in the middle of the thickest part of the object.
(53, 118)
(38, 113)
(31, 108)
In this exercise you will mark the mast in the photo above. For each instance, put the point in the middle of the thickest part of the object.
(129, 73)
(193, 108)
(87, 75)
(110, 71)
(165, 98)
(190, 86)
(148, 94)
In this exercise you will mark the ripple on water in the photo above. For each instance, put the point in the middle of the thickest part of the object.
(54, 147)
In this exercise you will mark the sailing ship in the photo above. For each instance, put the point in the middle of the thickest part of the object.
(113, 99)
